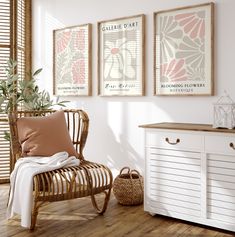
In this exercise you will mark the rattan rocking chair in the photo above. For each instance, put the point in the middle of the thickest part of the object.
(87, 179)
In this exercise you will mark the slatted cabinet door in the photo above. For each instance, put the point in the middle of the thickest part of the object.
(221, 179)
(174, 181)
(173, 170)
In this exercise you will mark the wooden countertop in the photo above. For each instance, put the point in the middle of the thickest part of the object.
(187, 126)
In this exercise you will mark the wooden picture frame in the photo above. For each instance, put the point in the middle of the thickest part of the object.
(72, 61)
(184, 51)
(121, 55)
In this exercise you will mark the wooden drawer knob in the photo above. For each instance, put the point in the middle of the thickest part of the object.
(172, 143)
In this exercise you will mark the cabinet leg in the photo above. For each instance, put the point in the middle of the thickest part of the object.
(152, 214)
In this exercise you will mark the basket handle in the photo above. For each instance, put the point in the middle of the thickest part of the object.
(124, 169)
(137, 172)
(134, 171)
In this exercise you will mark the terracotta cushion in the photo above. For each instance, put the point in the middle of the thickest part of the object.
(44, 136)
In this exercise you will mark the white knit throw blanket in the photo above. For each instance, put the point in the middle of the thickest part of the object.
(21, 194)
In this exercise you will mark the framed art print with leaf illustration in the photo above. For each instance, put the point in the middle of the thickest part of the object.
(183, 51)
(72, 61)
(121, 57)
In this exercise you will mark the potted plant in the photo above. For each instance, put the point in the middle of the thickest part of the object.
(15, 92)
(25, 93)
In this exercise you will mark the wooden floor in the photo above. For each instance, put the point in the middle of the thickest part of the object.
(77, 218)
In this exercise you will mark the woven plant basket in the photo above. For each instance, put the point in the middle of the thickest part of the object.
(128, 187)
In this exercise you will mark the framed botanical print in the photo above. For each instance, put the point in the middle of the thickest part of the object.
(72, 61)
(183, 51)
(121, 56)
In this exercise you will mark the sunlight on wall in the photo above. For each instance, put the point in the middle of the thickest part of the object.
(114, 118)
(123, 119)
(45, 25)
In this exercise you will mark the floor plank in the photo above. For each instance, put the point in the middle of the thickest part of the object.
(76, 218)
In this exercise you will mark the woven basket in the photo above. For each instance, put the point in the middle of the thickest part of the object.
(128, 187)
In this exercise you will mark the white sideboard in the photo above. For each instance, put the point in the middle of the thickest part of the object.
(190, 173)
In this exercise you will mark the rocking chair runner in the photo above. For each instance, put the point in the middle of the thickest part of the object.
(87, 179)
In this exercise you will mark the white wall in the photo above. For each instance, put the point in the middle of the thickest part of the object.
(114, 137)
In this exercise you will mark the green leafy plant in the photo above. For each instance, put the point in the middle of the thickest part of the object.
(15, 92)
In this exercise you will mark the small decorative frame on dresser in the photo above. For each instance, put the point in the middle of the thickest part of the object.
(183, 50)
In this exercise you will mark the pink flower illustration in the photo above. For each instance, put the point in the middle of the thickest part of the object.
(192, 23)
(79, 39)
(173, 71)
(118, 57)
(62, 41)
(78, 71)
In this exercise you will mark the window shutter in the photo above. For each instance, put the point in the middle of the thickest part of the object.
(15, 34)
(21, 38)
(4, 151)
(5, 35)
(5, 48)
